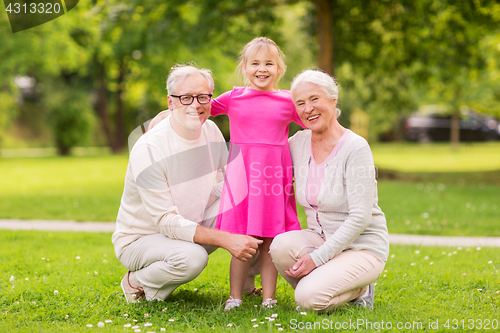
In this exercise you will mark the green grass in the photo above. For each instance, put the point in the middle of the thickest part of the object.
(450, 206)
(420, 284)
(437, 157)
(70, 188)
(90, 188)
(439, 209)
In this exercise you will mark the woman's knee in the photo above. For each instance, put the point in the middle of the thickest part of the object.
(309, 297)
(280, 246)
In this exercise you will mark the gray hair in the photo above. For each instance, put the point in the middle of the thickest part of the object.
(178, 74)
(323, 80)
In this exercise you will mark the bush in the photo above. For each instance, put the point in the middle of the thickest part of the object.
(71, 118)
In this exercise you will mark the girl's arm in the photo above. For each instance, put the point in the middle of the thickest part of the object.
(159, 117)
(295, 115)
(296, 119)
(220, 105)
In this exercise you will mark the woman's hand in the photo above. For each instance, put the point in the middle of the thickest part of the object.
(159, 117)
(302, 267)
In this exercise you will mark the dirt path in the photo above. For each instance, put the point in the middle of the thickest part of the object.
(110, 227)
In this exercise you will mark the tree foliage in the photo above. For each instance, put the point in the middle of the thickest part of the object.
(388, 56)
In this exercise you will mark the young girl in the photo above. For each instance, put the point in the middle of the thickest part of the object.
(258, 198)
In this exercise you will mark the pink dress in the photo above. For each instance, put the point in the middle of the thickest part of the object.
(258, 197)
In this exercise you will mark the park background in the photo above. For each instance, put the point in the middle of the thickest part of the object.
(72, 90)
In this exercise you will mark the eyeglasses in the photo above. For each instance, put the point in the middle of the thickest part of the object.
(188, 99)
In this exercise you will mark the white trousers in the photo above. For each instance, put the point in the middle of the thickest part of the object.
(331, 285)
(161, 264)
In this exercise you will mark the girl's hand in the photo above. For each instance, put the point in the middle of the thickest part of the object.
(159, 117)
(302, 267)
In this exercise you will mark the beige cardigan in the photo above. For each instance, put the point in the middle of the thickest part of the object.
(347, 215)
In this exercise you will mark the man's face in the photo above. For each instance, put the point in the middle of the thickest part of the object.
(187, 119)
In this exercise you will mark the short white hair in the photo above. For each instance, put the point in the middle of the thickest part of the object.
(323, 80)
(178, 74)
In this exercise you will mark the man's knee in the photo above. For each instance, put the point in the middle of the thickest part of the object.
(196, 261)
(182, 266)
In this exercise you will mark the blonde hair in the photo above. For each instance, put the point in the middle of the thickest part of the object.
(262, 44)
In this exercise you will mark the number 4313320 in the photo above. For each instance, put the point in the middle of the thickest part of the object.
(471, 324)
(40, 8)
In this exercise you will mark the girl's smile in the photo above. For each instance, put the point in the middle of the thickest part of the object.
(261, 71)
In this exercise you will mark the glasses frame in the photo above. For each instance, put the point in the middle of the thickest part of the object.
(192, 98)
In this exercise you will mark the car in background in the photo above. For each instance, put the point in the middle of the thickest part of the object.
(436, 126)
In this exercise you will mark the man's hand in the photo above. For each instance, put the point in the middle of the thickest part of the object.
(302, 267)
(159, 117)
(242, 247)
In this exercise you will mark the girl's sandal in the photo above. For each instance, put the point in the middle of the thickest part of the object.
(269, 303)
(232, 303)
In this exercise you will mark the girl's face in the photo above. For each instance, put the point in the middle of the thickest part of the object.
(261, 70)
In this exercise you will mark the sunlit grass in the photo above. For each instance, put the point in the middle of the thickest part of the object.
(419, 285)
(437, 157)
(90, 188)
(441, 209)
(70, 188)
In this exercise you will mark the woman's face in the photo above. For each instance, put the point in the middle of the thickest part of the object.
(314, 107)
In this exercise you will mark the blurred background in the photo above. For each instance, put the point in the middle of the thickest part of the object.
(422, 70)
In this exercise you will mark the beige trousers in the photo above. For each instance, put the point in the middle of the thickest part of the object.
(343, 278)
(161, 264)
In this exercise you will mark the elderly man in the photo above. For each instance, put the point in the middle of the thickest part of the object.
(164, 229)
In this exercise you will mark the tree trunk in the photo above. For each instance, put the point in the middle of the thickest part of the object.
(455, 130)
(120, 139)
(102, 105)
(324, 30)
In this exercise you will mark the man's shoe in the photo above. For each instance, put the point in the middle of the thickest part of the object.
(249, 287)
(132, 294)
(365, 301)
(254, 292)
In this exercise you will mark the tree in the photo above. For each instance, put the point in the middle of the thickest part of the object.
(70, 116)
(399, 43)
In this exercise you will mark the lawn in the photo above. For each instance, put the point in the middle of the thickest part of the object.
(69, 282)
(69, 188)
(437, 157)
(89, 189)
(65, 282)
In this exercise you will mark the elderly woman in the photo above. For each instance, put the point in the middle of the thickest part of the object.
(344, 250)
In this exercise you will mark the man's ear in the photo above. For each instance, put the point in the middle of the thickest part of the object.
(170, 103)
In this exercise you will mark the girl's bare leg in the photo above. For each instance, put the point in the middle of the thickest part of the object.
(268, 272)
(238, 273)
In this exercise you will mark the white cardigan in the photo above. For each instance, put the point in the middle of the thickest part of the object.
(347, 215)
